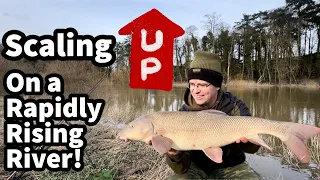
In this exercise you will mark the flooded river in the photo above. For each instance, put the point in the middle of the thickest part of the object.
(282, 104)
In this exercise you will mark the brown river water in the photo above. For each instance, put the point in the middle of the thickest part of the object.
(283, 104)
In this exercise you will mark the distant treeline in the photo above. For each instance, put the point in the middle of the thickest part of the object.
(273, 46)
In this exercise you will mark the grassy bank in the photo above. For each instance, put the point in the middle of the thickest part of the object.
(112, 159)
(78, 76)
(121, 160)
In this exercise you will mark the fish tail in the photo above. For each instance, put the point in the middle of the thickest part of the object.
(297, 134)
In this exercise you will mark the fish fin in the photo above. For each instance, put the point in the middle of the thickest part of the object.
(213, 111)
(214, 153)
(298, 133)
(161, 144)
(258, 141)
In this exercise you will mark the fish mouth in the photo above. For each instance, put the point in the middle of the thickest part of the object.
(122, 137)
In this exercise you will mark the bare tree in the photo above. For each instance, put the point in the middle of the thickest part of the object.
(211, 24)
(191, 30)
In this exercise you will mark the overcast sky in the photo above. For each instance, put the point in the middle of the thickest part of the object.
(108, 16)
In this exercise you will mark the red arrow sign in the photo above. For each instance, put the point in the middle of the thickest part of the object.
(152, 50)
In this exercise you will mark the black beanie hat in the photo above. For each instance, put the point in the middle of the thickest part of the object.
(206, 66)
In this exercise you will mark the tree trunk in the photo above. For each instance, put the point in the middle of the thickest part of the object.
(252, 70)
(318, 48)
(267, 57)
(181, 66)
(239, 51)
(244, 54)
(276, 55)
(305, 42)
(260, 49)
(299, 39)
(309, 39)
(229, 59)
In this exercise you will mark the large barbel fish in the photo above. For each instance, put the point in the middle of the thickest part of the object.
(208, 130)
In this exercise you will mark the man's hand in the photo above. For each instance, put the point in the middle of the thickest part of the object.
(243, 139)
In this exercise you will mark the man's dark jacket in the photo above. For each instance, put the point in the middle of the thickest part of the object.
(233, 154)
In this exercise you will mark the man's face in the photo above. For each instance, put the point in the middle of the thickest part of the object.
(203, 92)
